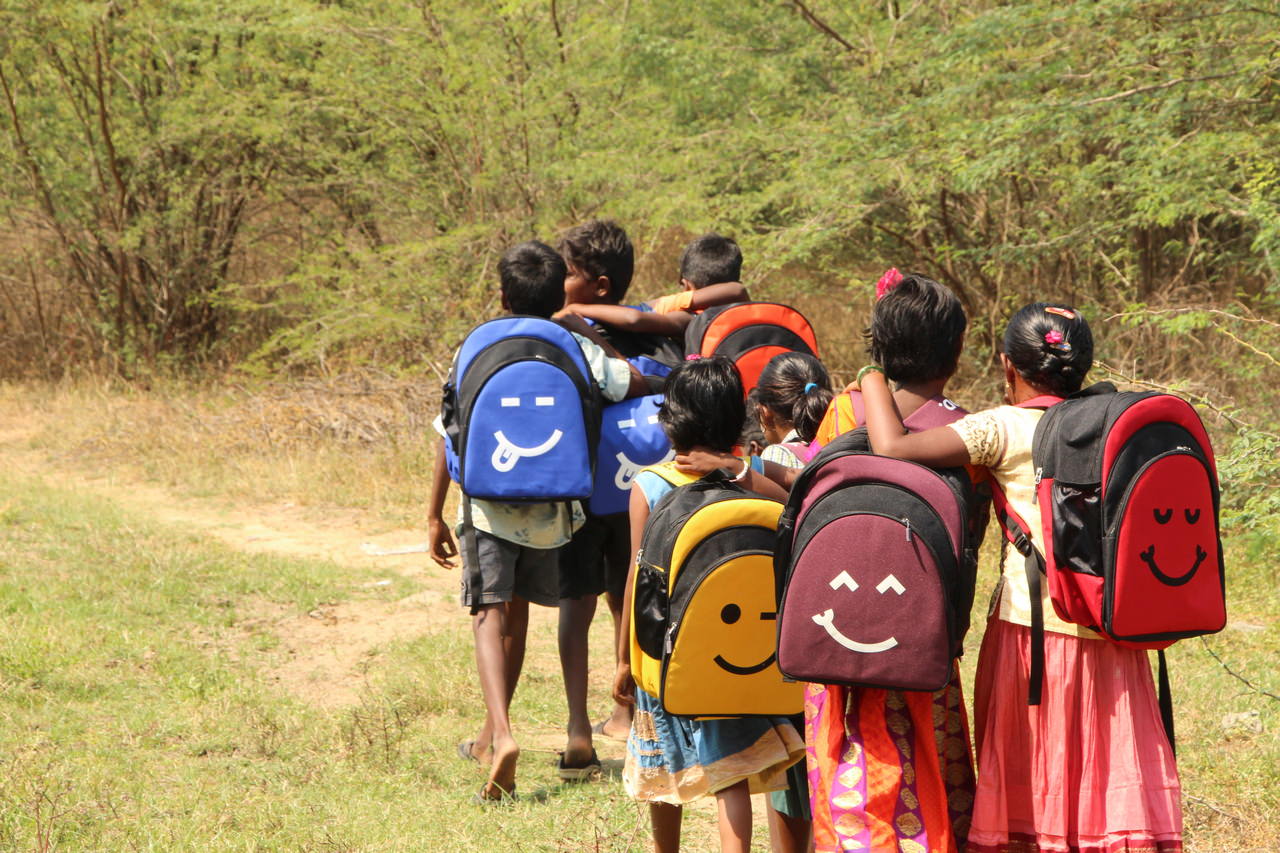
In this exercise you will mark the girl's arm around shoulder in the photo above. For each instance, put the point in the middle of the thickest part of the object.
(939, 447)
(772, 480)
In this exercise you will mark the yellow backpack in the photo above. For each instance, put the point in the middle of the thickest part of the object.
(704, 614)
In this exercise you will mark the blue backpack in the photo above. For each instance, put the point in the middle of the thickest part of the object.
(630, 439)
(522, 413)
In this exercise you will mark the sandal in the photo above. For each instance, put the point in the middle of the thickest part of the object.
(598, 729)
(585, 773)
(465, 751)
(505, 798)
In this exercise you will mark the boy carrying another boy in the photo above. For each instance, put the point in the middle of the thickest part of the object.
(600, 260)
(517, 543)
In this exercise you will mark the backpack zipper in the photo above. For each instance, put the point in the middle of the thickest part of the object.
(907, 521)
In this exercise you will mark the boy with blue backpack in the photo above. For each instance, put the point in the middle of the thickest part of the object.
(518, 425)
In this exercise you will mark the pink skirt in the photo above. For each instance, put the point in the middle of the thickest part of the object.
(1089, 770)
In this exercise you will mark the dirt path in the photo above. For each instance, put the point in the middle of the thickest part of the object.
(328, 652)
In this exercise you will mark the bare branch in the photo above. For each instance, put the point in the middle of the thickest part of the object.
(822, 26)
(1231, 672)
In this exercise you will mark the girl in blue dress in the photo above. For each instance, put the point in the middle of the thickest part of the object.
(673, 759)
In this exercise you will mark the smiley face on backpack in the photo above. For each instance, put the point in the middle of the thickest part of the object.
(1170, 518)
(726, 644)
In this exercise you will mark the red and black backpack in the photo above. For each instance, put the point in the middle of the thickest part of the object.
(749, 333)
(1128, 493)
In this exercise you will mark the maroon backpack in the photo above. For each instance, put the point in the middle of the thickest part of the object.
(1128, 493)
(875, 565)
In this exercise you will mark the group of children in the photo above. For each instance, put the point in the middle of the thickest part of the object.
(1089, 769)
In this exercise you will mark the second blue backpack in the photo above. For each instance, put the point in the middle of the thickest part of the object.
(521, 413)
(630, 439)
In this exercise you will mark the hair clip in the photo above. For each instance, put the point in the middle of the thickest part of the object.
(1056, 341)
(887, 282)
(1066, 313)
(809, 386)
(693, 356)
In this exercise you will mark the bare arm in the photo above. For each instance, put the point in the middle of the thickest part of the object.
(702, 461)
(443, 548)
(639, 385)
(624, 685)
(631, 319)
(940, 446)
(725, 293)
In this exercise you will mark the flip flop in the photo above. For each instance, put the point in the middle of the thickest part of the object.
(507, 797)
(465, 751)
(598, 729)
(585, 773)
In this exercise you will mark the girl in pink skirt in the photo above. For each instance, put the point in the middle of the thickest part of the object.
(1090, 769)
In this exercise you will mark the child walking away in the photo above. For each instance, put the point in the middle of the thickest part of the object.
(673, 759)
(887, 769)
(710, 269)
(793, 393)
(1090, 768)
(519, 421)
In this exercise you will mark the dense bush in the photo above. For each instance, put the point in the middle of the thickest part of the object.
(320, 181)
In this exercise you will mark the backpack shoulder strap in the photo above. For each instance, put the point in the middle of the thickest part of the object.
(668, 472)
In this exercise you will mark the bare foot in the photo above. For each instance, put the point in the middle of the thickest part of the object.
(502, 772)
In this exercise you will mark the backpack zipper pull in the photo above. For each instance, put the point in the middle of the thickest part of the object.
(907, 522)
(1039, 474)
(670, 642)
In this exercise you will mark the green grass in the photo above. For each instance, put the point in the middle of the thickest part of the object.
(134, 713)
(138, 712)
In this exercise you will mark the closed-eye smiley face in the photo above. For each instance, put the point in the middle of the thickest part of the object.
(826, 619)
(1172, 520)
(508, 453)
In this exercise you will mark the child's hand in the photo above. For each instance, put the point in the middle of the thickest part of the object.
(624, 686)
(441, 543)
(702, 461)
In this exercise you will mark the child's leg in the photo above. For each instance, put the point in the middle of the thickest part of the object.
(666, 826)
(491, 624)
(733, 806)
(513, 652)
(789, 834)
(575, 622)
(619, 722)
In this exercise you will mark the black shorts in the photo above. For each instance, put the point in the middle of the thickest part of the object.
(597, 558)
(508, 569)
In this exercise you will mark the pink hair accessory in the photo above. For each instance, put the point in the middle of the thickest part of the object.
(888, 282)
(1053, 336)
(693, 356)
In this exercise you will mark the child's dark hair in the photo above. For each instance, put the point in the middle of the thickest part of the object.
(1051, 346)
(711, 259)
(601, 247)
(703, 404)
(917, 331)
(796, 386)
(751, 429)
(532, 278)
